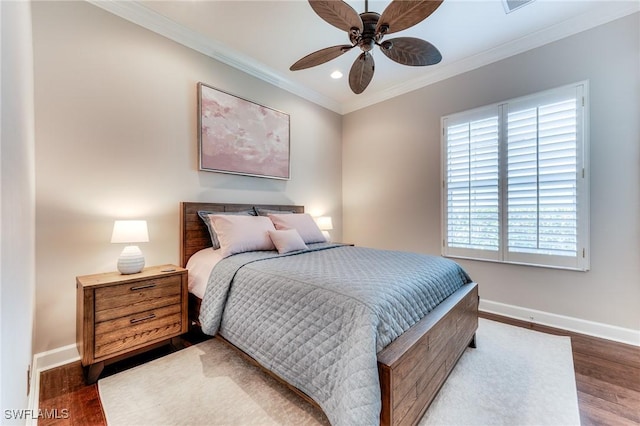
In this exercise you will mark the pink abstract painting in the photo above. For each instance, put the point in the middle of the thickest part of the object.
(241, 137)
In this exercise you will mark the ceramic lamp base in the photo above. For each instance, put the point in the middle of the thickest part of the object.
(131, 260)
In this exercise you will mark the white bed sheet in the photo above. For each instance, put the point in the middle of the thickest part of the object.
(200, 266)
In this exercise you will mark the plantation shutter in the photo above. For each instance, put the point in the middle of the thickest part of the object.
(473, 215)
(514, 179)
(543, 174)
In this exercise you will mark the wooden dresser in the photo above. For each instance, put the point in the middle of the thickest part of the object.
(121, 315)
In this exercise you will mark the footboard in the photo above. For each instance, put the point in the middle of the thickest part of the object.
(413, 367)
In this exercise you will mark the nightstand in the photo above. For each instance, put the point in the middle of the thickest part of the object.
(121, 315)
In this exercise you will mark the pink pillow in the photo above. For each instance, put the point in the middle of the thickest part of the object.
(287, 240)
(238, 234)
(301, 222)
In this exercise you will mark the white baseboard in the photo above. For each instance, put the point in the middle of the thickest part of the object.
(55, 358)
(591, 328)
(45, 361)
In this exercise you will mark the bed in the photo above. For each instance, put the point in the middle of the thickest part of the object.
(410, 370)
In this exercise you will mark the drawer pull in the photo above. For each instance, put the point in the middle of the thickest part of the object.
(141, 287)
(136, 320)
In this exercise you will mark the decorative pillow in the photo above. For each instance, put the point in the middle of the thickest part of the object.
(303, 223)
(259, 211)
(287, 240)
(204, 215)
(240, 233)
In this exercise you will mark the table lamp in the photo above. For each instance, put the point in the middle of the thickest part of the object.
(131, 260)
(325, 224)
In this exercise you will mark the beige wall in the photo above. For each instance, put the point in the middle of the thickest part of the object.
(391, 172)
(116, 137)
(17, 217)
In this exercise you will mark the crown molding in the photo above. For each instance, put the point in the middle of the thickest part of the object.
(137, 13)
(140, 15)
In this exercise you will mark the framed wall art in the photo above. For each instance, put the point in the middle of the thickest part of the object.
(241, 137)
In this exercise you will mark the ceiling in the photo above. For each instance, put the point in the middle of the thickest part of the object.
(265, 37)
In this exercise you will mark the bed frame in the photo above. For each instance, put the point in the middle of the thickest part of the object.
(413, 367)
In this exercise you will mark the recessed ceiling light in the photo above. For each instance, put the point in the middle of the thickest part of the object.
(336, 75)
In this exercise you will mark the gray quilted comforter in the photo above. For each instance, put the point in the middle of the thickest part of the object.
(317, 318)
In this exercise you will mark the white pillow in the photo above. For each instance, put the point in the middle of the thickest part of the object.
(301, 222)
(287, 240)
(238, 234)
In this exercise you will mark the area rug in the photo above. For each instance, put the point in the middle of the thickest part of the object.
(514, 377)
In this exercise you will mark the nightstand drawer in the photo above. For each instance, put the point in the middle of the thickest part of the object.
(137, 329)
(126, 299)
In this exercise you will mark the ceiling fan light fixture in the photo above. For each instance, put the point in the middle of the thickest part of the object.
(366, 30)
(336, 74)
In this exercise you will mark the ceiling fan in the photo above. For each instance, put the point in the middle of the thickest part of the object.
(367, 29)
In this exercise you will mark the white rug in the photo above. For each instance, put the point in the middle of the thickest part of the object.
(514, 377)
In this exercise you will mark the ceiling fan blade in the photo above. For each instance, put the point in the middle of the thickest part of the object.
(402, 14)
(411, 51)
(337, 13)
(361, 73)
(320, 57)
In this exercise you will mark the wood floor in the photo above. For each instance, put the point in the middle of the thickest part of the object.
(607, 380)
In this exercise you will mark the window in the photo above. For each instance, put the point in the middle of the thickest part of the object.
(515, 185)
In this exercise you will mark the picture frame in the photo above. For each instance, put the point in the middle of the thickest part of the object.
(241, 137)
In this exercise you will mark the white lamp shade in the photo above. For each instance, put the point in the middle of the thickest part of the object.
(130, 231)
(324, 223)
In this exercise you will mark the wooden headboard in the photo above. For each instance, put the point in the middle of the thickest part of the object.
(194, 235)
